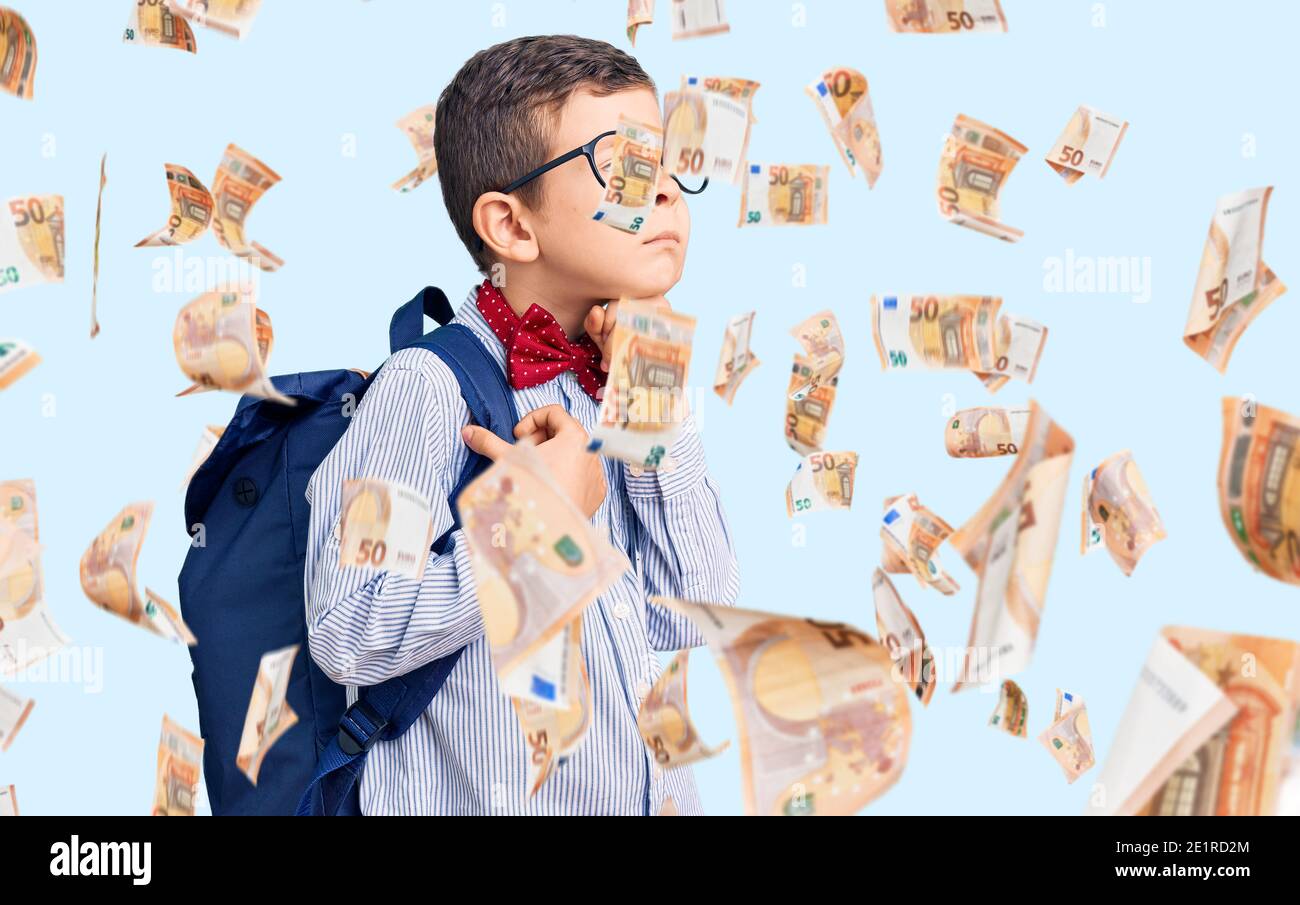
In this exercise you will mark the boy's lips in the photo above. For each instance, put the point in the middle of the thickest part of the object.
(664, 237)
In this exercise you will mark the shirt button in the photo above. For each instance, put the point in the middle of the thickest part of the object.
(642, 690)
(659, 772)
(622, 610)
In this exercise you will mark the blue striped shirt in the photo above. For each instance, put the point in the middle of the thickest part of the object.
(466, 754)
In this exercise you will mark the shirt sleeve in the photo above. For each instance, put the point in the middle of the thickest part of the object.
(364, 625)
(683, 543)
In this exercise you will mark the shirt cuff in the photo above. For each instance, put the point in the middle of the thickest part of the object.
(682, 469)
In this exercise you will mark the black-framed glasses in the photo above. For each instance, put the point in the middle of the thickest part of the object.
(602, 144)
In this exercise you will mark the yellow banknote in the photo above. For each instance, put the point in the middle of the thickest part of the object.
(901, 635)
(222, 341)
(1118, 512)
(977, 159)
(736, 361)
(779, 194)
(1087, 145)
(644, 402)
(269, 715)
(418, 126)
(28, 632)
(537, 561)
(956, 332)
(1010, 543)
(385, 526)
(843, 99)
(1259, 486)
(180, 761)
(665, 722)
(1233, 285)
(823, 726)
(823, 480)
(31, 242)
(154, 23)
(942, 17)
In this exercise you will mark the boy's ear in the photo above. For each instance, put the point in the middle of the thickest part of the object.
(504, 224)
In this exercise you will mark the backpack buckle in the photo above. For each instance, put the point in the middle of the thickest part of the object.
(359, 728)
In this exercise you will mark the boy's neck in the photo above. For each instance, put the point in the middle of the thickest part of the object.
(521, 294)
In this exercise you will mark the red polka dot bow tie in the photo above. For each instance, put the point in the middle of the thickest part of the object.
(536, 348)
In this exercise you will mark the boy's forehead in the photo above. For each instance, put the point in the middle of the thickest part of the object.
(585, 115)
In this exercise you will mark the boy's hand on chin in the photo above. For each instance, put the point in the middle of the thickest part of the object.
(600, 324)
(561, 441)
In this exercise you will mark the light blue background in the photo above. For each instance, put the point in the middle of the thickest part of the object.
(1193, 78)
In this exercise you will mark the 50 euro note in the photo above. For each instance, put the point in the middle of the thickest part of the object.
(16, 359)
(842, 98)
(1087, 145)
(241, 179)
(1009, 543)
(191, 205)
(1012, 711)
(108, 576)
(1259, 486)
(911, 533)
(222, 341)
(180, 761)
(1118, 512)
(978, 433)
(230, 17)
(706, 128)
(976, 161)
(823, 344)
(418, 126)
(28, 632)
(778, 194)
(644, 403)
(1233, 284)
(823, 480)
(1210, 728)
(956, 332)
(633, 181)
(941, 17)
(17, 54)
(735, 362)
(551, 733)
(14, 710)
(696, 18)
(269, 715)
(901, 635)
(639, 12)
(665, 721)
(1069, 738)
(824, 727)
(385, 526)
(31, 242)
(156, 24)
(807, 413)
(537, 561)
(8, 801)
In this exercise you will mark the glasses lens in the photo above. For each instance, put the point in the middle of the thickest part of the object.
(604, 156)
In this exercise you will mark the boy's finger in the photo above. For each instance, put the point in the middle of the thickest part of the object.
(548, 420)
(484, 442)
(595, 322)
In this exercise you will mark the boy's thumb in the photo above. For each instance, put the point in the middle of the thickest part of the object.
(484, 442)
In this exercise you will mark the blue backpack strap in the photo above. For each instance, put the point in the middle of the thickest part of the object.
(387, 710)
(407, 324)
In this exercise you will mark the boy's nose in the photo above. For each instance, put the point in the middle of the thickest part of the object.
(668, 191)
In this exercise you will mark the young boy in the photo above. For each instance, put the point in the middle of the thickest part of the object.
(511, 109)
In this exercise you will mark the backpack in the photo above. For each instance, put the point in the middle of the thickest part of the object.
(241, 592)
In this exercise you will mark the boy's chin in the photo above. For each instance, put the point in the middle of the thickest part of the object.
(643, 280)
